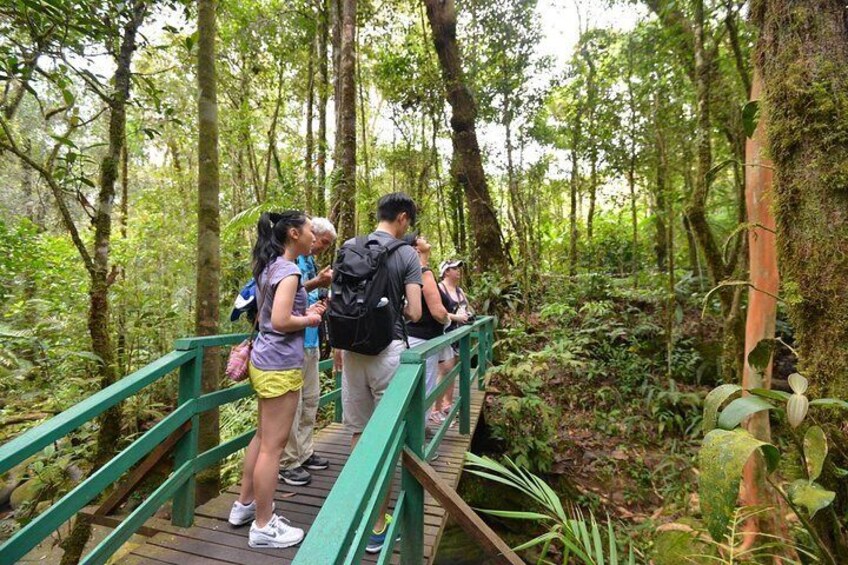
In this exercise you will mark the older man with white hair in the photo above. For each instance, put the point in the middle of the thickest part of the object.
(299, 456)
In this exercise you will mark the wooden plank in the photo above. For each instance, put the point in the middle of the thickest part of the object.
(213, 540)
(166, 555)
(467, 519)
(111, 522)
(240, 554)
(120, 494)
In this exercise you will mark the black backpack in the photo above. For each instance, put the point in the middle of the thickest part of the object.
(361, 316)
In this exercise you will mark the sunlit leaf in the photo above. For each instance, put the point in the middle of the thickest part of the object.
(721, 460)
(815, 451)
(714, 400)
(812, 496)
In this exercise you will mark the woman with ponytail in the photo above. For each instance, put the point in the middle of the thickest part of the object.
(276, 371)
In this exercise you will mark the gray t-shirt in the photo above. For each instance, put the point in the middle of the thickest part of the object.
(404, 268)
(273, 351)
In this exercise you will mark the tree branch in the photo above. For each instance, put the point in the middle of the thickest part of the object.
(9, 144)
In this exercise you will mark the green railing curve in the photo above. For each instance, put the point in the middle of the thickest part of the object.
(352, 504)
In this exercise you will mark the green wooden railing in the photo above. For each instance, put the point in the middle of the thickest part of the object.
(380, 452)
(342, 527)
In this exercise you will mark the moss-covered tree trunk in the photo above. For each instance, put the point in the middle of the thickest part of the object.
(109, 434)
(490, 251)
(322, 36)
(208, 234)
(802, 54)
(343, 212)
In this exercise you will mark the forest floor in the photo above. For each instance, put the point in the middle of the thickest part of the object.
(582, 397)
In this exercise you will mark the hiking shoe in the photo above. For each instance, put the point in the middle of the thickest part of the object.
(276, 533)
(378, 539)
(296, 477)
(316, 463)
(241, 514)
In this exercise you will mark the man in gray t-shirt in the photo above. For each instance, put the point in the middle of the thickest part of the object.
(366, 377)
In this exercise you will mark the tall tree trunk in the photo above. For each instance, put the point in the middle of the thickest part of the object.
(109, 433)
(593, 195)
(634, 220)
(323, 95)
(574, 186)
(344, 177)
(458, 232)
(208, 234)
(730, 297)
(308, 163)
(802, 53)
(761, 317)
(490, 251)
(591, 101)
(360, 86)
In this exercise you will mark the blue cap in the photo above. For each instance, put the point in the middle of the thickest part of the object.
(245, 302)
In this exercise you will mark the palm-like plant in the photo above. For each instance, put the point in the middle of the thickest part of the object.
(579, 538)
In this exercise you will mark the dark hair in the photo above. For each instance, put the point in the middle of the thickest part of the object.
(390, 206)
(273, 234)
(411, 238)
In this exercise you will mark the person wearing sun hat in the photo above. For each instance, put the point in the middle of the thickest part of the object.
(456, 304)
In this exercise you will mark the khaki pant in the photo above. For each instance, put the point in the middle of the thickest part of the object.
(364, 380)
(299, 447)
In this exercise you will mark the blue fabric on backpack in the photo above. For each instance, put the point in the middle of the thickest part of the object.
(245, 302)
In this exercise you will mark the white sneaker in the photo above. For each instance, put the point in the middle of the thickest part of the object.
(241, 514)
(276, 533)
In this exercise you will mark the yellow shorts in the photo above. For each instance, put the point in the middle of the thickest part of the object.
(271, 384)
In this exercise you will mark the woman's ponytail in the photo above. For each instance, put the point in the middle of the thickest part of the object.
(272, 234)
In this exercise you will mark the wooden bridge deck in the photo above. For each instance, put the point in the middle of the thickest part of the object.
(213, 540)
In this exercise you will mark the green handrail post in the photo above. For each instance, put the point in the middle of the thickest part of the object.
(412, 542)
(337, 405)
(465, 385)
(186, 448)
(482, 355)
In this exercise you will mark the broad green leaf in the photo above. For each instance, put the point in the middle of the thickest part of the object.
(750, 117)
(714, 400)
(815, 451)
(811, 496)
(721, 460)
(740, 409)
(760, 356)
(778, 395)
(798, 383)
(830, 403)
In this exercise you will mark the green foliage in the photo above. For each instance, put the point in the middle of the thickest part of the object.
(578, 538)
(725, 453)
(721, 459)
(524, 420)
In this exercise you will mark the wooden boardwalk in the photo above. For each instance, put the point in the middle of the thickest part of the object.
(213, 540)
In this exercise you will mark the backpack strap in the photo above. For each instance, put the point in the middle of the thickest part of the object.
(392, 246)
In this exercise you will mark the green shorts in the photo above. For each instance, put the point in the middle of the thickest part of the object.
(271, 384)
